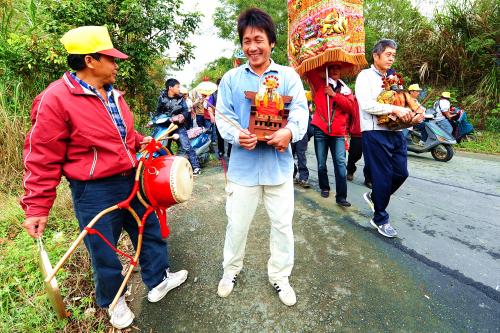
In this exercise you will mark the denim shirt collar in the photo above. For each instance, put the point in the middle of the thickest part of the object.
(273, 67)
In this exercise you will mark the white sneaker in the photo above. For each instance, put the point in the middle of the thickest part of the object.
(121, 316)
(285, 293)
(226, 285)
(368, 198)
(170, 281)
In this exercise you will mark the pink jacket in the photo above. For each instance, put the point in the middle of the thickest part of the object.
(72, 134)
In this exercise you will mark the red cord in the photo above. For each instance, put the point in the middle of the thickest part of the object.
(95, 232)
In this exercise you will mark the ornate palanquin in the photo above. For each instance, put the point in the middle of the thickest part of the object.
(325, 31)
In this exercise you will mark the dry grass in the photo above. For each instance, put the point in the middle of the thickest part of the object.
(23, 304)
(14, 122)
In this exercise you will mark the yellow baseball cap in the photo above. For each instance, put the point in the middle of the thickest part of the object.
(183, 90)
(414, 87)
(308, 95)
(90, 39)
(446, 94)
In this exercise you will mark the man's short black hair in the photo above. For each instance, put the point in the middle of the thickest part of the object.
(257, 18)
(171, 83)
(77, 61)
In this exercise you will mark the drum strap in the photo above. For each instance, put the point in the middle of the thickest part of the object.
(93, 231)
(162, 218)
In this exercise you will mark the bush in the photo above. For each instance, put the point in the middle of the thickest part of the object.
(493, 120)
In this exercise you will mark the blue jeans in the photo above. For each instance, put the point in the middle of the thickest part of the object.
(445, 126)
(185, 147)
(336, 145)
(200, 121)
(386, 156)
(299, 149)
(90, 198)
(211, 129)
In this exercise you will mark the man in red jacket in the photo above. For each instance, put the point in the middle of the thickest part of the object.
(331, 136)
(82, 128)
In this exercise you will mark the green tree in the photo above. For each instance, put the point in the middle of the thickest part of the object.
(402, 22)
(214, 70)
(31, 56)
(142, 29)
(145, 30)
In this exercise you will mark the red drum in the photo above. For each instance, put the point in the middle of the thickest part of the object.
(167, 180)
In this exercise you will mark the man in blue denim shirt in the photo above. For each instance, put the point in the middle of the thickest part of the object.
(259, 169)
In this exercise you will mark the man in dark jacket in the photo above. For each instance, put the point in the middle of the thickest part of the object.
(173, 105)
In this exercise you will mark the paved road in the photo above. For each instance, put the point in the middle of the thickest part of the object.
(439, 276)
(446, 214)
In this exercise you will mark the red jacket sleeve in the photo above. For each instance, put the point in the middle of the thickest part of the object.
(315, 81)
(345, 103)
(44, 154)
(138, 139)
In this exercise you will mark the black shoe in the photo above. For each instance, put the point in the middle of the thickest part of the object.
(368, 184)
(325, 193)
(350, 177)
(343, 203)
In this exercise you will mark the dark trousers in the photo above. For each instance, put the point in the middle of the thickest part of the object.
(299, 149)
(386, 156)
(185, 147)
(211, 130)
(90, 198)
(336, 145)
(355, 153)
(200, 120)
(423, 132)
(220, 144)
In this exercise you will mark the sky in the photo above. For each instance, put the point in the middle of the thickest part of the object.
(210, 47)
(427, 7)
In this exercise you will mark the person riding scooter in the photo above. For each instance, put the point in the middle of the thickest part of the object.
(414, 91)
(442, 112)
(437, 141)
(171, 104)
(198, 137)
(462, 128)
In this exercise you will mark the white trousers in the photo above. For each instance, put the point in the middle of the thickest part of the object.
(241, 205)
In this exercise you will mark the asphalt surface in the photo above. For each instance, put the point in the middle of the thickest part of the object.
(440, 275)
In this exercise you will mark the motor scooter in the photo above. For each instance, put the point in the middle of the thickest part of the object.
(462, 128)
(199, 139)
(438, 143)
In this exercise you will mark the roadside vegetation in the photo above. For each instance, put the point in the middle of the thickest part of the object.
(455, 51)
(31, 57)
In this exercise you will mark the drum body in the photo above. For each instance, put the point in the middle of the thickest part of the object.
(167, 180)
